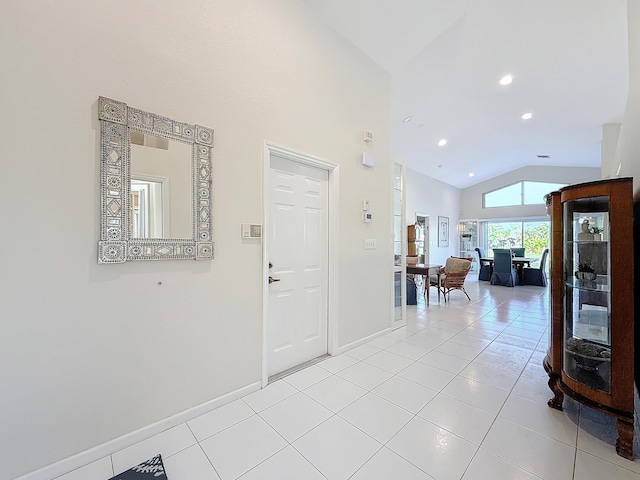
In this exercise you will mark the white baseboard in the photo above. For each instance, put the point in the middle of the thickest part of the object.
(362, 341)
(91, 455)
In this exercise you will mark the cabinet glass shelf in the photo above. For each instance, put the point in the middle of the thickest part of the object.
(468, 241)
(600, 284)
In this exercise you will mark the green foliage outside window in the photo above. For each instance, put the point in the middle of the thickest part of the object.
(511, 234)
(536, 237)
(504, 235)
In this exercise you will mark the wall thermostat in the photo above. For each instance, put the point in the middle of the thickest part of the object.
(368, 160)
(367, 217)
(251, 230)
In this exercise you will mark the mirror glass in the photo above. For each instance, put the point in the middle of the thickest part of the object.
(161, 188)
(155, 186)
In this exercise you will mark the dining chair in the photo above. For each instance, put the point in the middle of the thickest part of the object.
(452, 276)
(517, 251)
(484, 272)
(536, 276)
(503, 271)
(411, 292)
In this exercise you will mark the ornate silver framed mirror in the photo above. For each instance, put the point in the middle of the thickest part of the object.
(155, 186)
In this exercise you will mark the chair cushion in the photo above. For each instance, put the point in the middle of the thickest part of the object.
(457, 265)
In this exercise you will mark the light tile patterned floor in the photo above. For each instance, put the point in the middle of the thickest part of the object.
(459, 393)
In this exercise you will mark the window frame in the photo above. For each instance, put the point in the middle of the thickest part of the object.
(522, 183)
(483, 228)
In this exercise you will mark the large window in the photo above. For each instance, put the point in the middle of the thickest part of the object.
(532, 235)
(521, 193)
(503, 235)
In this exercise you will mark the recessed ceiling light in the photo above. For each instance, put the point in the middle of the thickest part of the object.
(527, 116)
(471, 174)
(506, 80)
(407, 119)
(442, 142)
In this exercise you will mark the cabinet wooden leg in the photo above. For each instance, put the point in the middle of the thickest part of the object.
(558, 395)
(624, 444)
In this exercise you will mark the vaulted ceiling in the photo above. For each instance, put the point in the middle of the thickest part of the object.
(568, 60)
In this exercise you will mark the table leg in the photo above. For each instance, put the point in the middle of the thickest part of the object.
(426, 287)
(520, 270)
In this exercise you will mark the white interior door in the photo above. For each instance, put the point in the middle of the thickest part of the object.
(297, 229)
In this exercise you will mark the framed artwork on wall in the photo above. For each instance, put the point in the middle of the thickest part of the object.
(443, 231)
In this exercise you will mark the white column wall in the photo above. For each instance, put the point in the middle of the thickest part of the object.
(627, 158)
(90, 352)
(610, 138)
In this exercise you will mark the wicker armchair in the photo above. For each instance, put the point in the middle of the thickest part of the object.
(452, 276)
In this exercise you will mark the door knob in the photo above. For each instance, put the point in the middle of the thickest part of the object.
(271, 279)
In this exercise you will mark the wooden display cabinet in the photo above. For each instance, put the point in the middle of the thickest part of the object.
(590, 356)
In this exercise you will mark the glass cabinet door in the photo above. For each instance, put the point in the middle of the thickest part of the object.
(587, 313)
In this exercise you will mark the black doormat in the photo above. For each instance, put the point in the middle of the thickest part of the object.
(147, 470)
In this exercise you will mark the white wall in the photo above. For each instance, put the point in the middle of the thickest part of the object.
(90, 352)
(471, 203)
(432, 197)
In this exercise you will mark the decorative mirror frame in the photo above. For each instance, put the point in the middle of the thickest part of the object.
(116, 244)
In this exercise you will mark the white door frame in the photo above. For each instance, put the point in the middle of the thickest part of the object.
(402, 268)
(426, 235)
(332, 257)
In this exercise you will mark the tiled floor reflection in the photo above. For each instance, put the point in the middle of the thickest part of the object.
(459, 393)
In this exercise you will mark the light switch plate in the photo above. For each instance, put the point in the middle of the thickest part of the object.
(370, 244)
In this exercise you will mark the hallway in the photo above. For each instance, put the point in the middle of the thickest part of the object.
(459, 393)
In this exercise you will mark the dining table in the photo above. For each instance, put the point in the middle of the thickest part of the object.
(426, 269)
(518, 262)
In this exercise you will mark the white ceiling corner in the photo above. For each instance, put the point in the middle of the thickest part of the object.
(570, 65)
